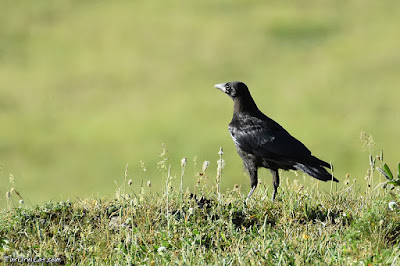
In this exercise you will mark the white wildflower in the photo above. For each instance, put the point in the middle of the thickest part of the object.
(393, 206)
(161, 250)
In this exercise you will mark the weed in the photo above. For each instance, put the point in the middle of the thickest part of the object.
(394, 182)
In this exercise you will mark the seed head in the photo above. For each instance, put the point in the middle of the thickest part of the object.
(149, 183)
(130, 182)
(221, 163)
(367, 140)
(368, 175)
(143, 166)
(183, 162)
(8, 194)
(135, 201)
(11, 178)
(205, 166)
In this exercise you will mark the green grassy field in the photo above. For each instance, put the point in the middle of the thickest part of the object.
(87, 87)
(144, 226)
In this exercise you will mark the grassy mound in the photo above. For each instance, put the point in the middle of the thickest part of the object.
(303, 226)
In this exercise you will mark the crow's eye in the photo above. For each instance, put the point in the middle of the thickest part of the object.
(232, 92)
(228, 89)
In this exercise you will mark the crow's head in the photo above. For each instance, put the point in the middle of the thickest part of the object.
(234, 89)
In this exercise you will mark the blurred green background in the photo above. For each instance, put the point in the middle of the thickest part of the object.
(87, 87)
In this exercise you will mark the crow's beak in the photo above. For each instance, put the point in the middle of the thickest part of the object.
(221, 87)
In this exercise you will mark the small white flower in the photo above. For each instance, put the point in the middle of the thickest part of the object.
(221, 152)
(21, 201)
(149, 183)
(130, 182)
(161, 249)
(393, 206)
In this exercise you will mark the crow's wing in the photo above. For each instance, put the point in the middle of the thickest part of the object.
(266, 138)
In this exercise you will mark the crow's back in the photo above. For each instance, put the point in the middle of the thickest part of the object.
(263, 137)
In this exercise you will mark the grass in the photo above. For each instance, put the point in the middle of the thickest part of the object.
(87, 87)
(140, 225)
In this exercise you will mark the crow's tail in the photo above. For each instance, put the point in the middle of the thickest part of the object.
(316, 169)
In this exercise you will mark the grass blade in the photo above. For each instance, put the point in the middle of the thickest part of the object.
(387, 170)
(382, 172)
(398, 171)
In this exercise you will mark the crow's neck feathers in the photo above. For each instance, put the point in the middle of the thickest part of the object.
(245, 104)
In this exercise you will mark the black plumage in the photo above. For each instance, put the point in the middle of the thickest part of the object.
(262, 142)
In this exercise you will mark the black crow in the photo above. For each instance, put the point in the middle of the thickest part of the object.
(262, 142)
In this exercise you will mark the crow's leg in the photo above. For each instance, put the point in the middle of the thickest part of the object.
(253, 180)
(275, 182)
